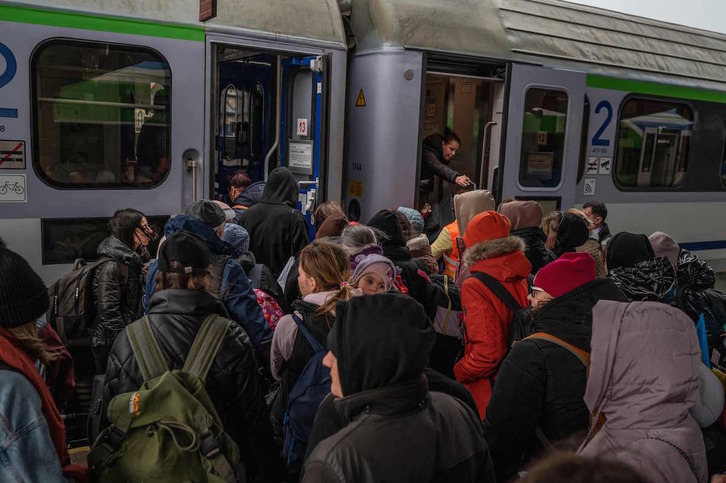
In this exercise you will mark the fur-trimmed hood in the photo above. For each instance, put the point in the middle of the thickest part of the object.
(492, 249)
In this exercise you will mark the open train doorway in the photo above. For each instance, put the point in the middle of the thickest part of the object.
(268, 110)
(471, 107)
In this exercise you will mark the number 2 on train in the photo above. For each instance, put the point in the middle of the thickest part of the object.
(596, 139)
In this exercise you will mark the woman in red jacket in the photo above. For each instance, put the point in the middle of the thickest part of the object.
(487, 318)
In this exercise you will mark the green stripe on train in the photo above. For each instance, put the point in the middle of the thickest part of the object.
(86, 21)
(655, 89)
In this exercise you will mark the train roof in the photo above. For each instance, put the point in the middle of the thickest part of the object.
(314, 20)
(551, 32)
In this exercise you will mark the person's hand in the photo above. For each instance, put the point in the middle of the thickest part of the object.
(463, 181)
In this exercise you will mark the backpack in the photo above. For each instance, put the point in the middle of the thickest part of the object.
(270, 308)
(167, 430)
(303, 400)
(72, 311)
(447, 322)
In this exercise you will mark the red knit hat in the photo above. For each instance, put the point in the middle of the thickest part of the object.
(565, 274)
(486, 226)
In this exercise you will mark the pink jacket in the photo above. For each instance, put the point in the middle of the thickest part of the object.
(644, 379)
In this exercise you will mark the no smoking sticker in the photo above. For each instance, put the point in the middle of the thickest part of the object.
(12, 154)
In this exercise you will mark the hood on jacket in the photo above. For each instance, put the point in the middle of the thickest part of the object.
(380, 340)
(332, 226)
(572, 233)
(281, 188)
(114, 248)
(387, 222)
(468, 205)
(492, 249)
(205, 232)
(522, 214)
(251, 195)
(432, 143)
(665, 246)
(627, 249)
(644, 369)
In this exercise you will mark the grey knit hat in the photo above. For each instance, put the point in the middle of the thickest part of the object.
(23, 295)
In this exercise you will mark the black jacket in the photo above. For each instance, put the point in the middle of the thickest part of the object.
(398, 430)
(233, 384)
(395, 249)
(433, 162)
(535, 251)
(118, 298)
(604, 235)
(277, 230)
(541, 384)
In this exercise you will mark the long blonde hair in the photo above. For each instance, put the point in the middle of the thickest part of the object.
(27, 336)
(328, 264)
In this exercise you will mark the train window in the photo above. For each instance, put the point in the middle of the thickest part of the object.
(654, 140)
(101, 115)
(543, 138)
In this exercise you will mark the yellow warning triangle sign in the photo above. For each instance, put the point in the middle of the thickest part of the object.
(361, 101)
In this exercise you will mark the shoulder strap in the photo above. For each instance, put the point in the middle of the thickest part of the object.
(317, 346)
(239, 207)
(146, 349)
(582, 355)
(498, 289)
(206, 345)
(215, 284)
(255, 275)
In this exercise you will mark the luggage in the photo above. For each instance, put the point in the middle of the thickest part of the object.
(311, 387)
(168, 430)
(72, 311)
(447, 321)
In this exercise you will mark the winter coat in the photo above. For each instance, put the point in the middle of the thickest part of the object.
(604, 235)
(653, 280)
(268, 281)
(233, 383)
(236, 292)
(395, 249)
(642, 383)
(117, 303)
(433, 162)
(329, 420)
(32, 433)
(420, 248)
(277, 230)
(696, 295)
(397, 430)
(487, 319)
(534, 247)
(541, 384)
(248, 198)
(592, 247)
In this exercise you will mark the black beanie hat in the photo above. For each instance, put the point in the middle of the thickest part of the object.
(628, 249)
(188, 250)
(23, 295)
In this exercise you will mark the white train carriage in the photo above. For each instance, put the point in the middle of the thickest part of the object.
(107, 104)
(553, 101)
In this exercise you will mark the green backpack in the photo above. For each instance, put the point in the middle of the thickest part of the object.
(168, 430)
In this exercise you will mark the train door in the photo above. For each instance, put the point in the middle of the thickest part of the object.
(268, 112)
(544, 122)
(302, 141)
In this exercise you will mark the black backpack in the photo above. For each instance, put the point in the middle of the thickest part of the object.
(72, 309)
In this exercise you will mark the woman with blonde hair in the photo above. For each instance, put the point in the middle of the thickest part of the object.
(33, 437)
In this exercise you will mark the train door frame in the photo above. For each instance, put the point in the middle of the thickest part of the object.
(320, 188)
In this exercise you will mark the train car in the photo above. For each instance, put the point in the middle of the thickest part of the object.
(107, 104)
(553, 101)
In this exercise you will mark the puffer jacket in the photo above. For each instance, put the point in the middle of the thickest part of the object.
(487, 319)
(233, 383)
(117, 303)
(398, 430)
(433, 162)
(236, 292)
(642, 384)
(541, 384)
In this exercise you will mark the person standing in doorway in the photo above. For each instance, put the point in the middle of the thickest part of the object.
(438, 151)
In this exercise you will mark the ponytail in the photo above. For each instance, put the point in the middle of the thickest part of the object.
(328, 264)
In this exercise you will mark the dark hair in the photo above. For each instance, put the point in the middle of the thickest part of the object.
(565, 466)
(240, 180)
(450, 136)
(405, 225)
(123, 225)
(598, 208)
(190, 281)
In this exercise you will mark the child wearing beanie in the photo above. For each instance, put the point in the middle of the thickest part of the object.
(373, 274)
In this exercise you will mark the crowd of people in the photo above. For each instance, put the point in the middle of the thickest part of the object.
(504, 345)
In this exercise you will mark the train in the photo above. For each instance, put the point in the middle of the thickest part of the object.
(107, 104)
